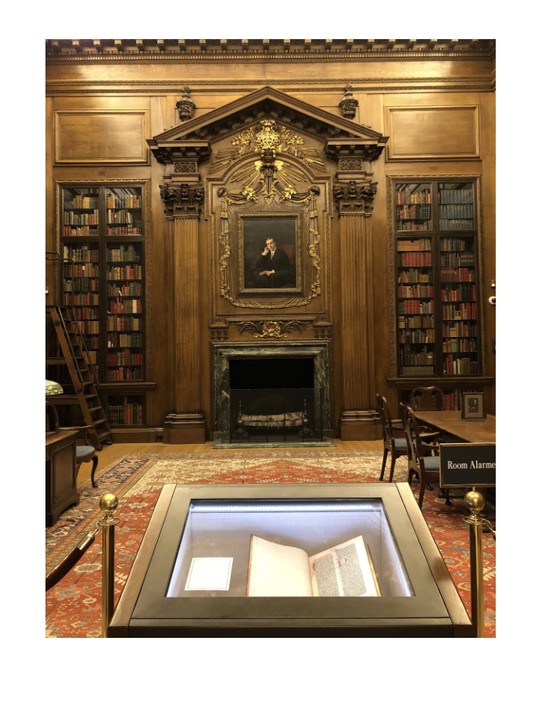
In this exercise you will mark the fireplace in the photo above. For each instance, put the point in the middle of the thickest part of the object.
(276, 394)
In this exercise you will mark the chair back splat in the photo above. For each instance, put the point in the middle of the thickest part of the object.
(427, 398)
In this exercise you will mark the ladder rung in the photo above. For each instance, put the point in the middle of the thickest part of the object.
(77, 360)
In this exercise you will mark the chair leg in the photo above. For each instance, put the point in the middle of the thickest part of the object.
(411, 472)
(421, 493)
(385, 452)
(95, 462)
(393, 461)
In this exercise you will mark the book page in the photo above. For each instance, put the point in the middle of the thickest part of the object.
(276, 570)
(345, 570)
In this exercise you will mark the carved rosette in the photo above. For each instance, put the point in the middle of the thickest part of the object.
(355, 198)
(183, 199)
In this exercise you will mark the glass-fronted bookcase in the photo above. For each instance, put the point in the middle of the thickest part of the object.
(436, 282)
(103, 282)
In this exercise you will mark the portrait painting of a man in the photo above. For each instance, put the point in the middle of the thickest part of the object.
(269, 246)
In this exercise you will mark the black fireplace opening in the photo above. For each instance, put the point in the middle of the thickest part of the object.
(248, 374)
(272, 399)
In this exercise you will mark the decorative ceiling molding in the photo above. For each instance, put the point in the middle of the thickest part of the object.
(267, 49)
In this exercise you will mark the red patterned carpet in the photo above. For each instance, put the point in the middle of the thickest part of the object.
(73, 606)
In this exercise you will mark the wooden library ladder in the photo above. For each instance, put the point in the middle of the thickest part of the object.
(75, 357)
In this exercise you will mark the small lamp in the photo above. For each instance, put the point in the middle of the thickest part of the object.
(53, 388)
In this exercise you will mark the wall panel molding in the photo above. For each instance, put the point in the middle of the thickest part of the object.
(101, 137)
(432, 133)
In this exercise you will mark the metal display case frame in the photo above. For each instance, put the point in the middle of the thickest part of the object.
(433, 609)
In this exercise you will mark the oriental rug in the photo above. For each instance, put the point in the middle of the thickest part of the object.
(73, 606)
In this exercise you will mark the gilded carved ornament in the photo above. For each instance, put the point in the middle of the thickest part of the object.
(312, 246)
(270, 178)
(271, 329)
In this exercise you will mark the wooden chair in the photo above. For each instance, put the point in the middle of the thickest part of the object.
(427, 398)
(85, 451)
(394, 439)
(423, 457)
(84, 454)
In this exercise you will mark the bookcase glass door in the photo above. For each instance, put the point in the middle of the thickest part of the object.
(103, 282)
(458, 296)
(413, 207)
(436, 279)
(416, 308)
(125, 312)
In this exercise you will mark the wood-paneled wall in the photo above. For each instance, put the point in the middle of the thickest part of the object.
(435, 106)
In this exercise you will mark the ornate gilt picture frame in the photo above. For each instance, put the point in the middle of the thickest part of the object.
(270, 257)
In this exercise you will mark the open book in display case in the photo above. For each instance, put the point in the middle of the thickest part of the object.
(299, 560)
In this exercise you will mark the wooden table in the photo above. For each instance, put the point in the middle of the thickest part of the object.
(450, 422)
(61, 491)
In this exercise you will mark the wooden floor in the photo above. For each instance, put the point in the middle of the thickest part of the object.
(109, 454)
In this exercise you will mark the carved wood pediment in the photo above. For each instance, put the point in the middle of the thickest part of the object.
(193, 139)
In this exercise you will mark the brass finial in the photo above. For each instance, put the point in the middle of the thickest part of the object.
(474, 502)
(108, 504)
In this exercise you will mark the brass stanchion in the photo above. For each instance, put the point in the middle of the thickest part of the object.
(475, 503)
(108, 504)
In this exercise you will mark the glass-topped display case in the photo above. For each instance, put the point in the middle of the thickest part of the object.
(279, 560)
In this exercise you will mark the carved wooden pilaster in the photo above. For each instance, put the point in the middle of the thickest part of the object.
(187, 423)
(354, 203)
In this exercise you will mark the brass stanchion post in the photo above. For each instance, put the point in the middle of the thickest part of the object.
(475, 503)
(108, 504)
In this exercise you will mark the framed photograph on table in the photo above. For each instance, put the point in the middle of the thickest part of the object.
(270, 255)
(472, 405)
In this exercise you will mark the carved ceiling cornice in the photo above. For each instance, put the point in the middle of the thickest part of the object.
(93, 50)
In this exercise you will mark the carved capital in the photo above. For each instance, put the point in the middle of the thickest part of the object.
(183, 199)
(219, 331)
(355, 198)
(322, 329)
